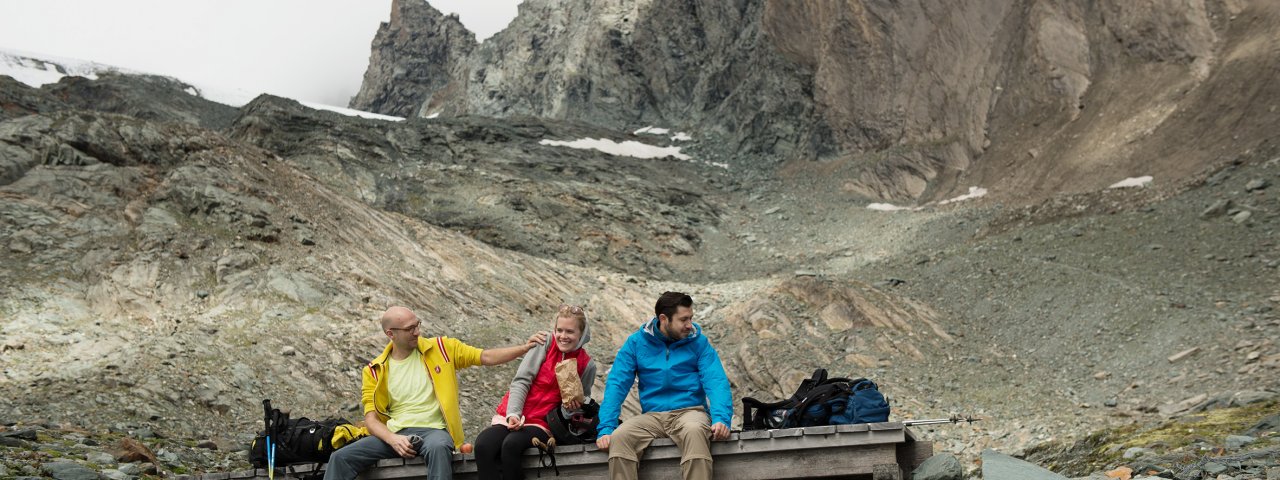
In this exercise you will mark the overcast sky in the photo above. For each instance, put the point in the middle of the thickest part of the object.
(314, 50)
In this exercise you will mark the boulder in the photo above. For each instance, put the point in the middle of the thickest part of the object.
(998, 466)
(939, 467)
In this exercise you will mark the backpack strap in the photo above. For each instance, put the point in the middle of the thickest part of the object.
(817, 396)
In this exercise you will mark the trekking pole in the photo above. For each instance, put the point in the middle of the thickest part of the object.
(271, 449)
(954, 418)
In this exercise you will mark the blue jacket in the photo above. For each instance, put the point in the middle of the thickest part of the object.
(683, 374)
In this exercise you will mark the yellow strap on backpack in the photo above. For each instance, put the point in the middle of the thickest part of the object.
(348, 433)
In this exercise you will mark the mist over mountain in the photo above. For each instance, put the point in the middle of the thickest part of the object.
(1072, 223)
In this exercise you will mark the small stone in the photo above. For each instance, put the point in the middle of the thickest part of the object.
(1120, 472)
(1135, 452)
(202, 294)
(1214, 468)
(1256, 184)
(307, 241)
(1101, 375)
(1217, 209)
(169, 458)
(113, 474)
(1111, 402)
(67, 470)
(13, 442)
(1242, 217)
(130, 469)
(101, 459)
(1183, 354)
(1234, 442)
(288, 351)
(24, 434)
(773, 210)
(207, 444)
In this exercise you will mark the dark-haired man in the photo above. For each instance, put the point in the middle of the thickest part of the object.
(410, 397)
(679, 372)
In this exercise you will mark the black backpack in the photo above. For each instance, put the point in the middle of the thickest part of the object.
(578, 428)
(758, 415)
(819, 401)
(296, 441)
(840, 402)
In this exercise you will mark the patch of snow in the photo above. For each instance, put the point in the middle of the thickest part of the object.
(628, 148)
(352, 113)
(1132, 182)
(651, 130)
(36, 70)
(974, 192)
(434, 115)
(681, 137)
(888, 207)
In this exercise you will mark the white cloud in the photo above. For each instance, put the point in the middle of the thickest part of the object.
(312, 50)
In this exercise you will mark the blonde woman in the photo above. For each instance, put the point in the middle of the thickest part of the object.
(521, 416)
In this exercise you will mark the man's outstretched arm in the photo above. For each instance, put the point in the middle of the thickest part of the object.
(499, 356)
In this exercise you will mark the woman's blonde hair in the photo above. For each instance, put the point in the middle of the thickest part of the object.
(575, 312)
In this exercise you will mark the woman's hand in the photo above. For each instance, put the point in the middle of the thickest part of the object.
(573, 405)
(515, 422)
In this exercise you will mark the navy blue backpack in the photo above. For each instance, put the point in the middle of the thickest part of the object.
(839, 401)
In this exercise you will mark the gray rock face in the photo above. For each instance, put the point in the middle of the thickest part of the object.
(929, 85)
(939, 467)
(998, 466)
(413, 57)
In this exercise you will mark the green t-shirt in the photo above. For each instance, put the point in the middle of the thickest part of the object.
(413, 397)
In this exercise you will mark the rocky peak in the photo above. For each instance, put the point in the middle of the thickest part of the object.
(413, 56)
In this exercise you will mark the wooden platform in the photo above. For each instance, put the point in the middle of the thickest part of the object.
(878, 451)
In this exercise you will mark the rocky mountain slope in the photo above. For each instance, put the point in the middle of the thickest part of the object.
(909, 101)
(167, 262)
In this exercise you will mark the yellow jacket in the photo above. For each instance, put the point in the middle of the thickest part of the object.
(442, 356)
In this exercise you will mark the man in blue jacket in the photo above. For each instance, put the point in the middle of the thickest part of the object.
(679, 372)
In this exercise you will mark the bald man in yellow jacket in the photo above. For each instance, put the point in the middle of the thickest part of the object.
(410, 398)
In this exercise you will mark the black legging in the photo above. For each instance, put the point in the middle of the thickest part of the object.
(498, 451)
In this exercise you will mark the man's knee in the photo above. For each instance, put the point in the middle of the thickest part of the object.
(691, 431)
(435, 445)
(341, 456)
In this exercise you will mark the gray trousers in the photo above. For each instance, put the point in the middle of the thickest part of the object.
(351, 460)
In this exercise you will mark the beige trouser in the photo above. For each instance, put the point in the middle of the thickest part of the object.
(689, 428)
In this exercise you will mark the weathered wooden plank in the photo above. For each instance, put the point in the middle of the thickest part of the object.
(813, 452)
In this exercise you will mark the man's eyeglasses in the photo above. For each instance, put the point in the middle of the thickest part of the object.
(411, 328)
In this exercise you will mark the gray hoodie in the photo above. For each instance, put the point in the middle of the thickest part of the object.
(533, 361)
